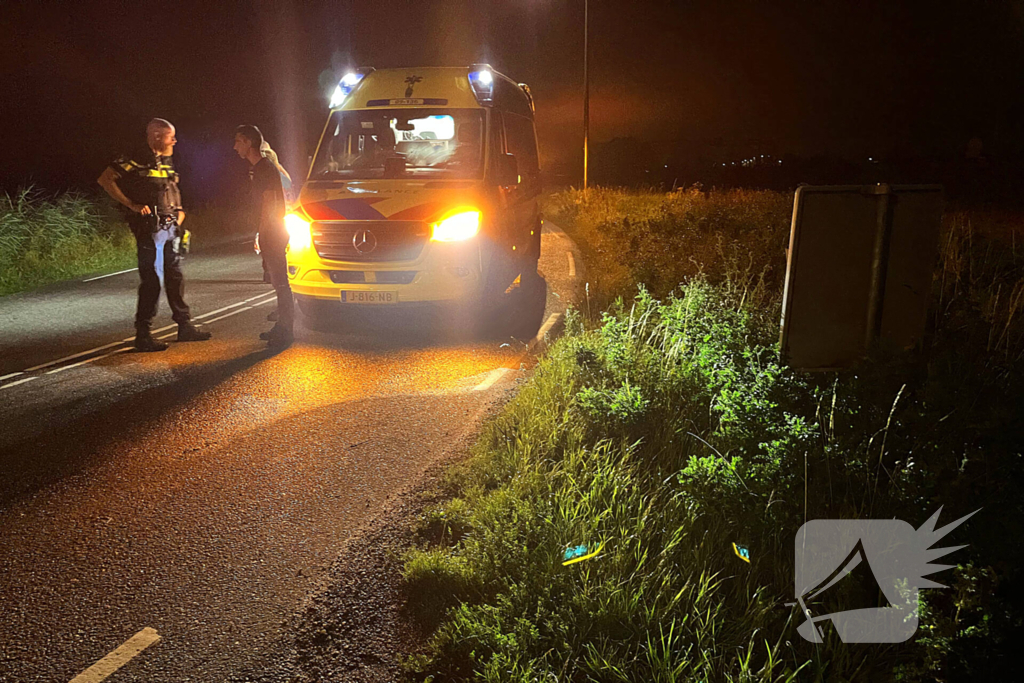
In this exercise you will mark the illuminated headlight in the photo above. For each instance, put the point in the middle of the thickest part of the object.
(456, 227)
(299, 235)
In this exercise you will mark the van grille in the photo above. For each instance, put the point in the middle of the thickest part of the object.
(395, 240)
(381, 277)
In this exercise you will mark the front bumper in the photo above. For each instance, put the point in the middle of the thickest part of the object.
(442, 272)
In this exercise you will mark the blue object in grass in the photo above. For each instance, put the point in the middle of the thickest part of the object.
(572, 553)
(742, 552)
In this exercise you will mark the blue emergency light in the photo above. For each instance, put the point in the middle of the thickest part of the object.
(481, 79)
(346, 85)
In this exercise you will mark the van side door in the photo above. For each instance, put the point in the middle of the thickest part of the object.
(521, 141)
(503, 224)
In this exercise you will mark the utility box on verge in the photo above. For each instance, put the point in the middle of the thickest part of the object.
(859, 271)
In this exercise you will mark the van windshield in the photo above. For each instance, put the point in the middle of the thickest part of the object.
(401, 143)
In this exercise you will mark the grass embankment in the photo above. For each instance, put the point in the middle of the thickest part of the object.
(45, 239)
(49, 238)
(667, 430)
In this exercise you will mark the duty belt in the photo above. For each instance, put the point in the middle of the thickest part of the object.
(165, 217)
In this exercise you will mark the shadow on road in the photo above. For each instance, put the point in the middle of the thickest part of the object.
(37, 461)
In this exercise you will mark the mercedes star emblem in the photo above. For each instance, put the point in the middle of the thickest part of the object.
(364, 241)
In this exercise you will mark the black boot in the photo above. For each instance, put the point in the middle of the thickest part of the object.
(144, 341)
(278, 336)
(188, 332)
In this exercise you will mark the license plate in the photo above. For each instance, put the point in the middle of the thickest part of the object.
(369, 297)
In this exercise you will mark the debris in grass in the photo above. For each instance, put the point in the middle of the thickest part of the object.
(577, 554)
(742, 552)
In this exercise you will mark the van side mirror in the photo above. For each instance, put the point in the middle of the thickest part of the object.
(508, 170)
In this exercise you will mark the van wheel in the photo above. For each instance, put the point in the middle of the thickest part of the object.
(529, 277)
(491, 309)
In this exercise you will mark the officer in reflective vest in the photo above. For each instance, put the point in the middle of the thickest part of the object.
(147, 186)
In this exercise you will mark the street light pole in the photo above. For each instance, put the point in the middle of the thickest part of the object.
(586, 91)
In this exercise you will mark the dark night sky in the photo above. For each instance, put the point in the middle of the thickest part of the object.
(80, 79)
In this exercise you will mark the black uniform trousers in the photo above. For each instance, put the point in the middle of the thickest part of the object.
(159, 266)
(276, 262)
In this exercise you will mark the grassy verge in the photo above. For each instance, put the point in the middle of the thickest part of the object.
(49, 238)
(736, 239)
(45, 239)
(666, 430)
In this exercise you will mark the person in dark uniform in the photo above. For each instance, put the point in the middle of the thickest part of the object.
(147, 186)
(286, 183)
(268, 196)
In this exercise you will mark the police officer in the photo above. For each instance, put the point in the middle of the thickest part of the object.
(147, 186)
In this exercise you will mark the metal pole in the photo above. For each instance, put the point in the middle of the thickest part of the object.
(586, 91)
(879, 264)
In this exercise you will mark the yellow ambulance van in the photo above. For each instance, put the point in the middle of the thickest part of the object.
(424, 188)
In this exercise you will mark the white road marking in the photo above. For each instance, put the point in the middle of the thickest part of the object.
(213, 320)
(20, 381)
(544, 329)
(13, 374)
(87, 360)
(572, 264)
(492, 377)
(100, 277)
(225, 308)
(497, 373)
(554, 229)
(73, 356)
(78, 355)
(119, 657)
(228, 315)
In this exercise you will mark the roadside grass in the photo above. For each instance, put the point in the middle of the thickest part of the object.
(735, 238)
(47, 238)
(665, 429)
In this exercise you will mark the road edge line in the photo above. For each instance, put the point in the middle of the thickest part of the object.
(119, 657)
(120, 272)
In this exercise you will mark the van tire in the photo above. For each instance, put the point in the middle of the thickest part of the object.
(529, 277)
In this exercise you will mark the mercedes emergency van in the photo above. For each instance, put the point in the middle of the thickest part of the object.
(424, 188)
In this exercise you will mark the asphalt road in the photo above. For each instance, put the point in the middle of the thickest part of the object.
(200, 490)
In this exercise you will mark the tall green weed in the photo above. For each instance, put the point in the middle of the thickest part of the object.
(50, 238)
